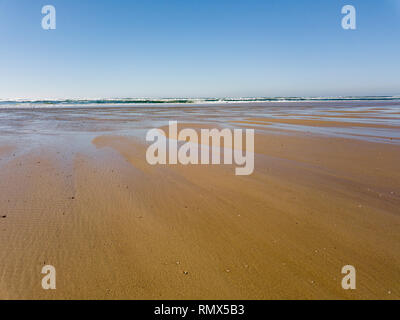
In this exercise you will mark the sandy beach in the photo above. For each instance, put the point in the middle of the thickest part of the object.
(77, 193)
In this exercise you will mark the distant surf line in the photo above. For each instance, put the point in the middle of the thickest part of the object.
(10, 103)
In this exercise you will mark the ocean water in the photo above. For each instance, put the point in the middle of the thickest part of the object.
(34, 121)
(68, 103)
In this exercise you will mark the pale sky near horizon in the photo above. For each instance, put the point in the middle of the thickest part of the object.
(190, 48)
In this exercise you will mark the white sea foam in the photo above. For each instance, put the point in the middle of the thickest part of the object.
(114, 102)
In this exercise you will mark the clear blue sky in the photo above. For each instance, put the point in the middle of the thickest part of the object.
(160, 48)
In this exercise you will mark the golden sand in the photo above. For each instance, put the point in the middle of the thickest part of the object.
(117, 228)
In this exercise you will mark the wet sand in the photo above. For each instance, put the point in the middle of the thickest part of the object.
(316, 123)
(77, 193)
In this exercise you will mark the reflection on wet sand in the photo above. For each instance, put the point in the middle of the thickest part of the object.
(77, 193)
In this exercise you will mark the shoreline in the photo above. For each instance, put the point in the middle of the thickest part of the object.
(80, 195)
(89, 104)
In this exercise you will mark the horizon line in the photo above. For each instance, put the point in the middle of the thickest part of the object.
(188, 98)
